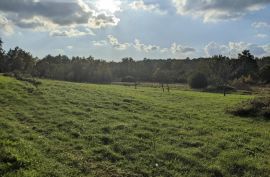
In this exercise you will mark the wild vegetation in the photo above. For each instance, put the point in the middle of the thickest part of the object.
(61, 128)
(71, 129)
(218, 70)
(258, 107)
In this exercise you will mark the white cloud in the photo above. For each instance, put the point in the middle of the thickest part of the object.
(145, 48)
(267, 49)
(37, 23)
(70, 47)
(214, 48)
(116, 44)
(59, 51)
(141, 5)
(54, 16)
(237, 47)
(216, 10)
(137, 45)
(103, 20)
(262, 35)
(164, 50)
(100, 43)
(232, 49)
(181, 49)
(258, 25)
(84, 6)
(6, 26)
(110, 6)
(70, 32)
(257, 50)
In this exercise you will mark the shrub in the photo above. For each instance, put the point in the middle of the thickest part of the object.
(240, 84)
(26, 78)
(249, 79)
(35, 82)
(256, 107)
(198, 81)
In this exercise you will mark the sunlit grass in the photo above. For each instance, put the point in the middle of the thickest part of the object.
(71, 129)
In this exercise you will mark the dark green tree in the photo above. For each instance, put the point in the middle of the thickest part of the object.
(19, 60)
(2, 53)
(1, 47)
(218, 70)
(247, 65)
(198, 81)
(265, 74)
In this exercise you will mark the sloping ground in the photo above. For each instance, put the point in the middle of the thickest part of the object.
(69, 129)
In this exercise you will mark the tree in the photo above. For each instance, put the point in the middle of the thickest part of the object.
(2, 57)
(163, 77)
(103, 73)
(245, 55)
(42, 68)
(198, 81)
(220, 71)
(1, 47)
(19, 60)
(265, 73)
(247, 65)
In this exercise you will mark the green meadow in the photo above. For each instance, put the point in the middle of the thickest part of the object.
(63, 129)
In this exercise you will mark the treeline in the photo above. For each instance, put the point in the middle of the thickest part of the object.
(218, 70)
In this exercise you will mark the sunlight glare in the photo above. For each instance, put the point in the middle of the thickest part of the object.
(111, 6)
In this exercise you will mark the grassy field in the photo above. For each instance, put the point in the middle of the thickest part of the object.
(71, 129)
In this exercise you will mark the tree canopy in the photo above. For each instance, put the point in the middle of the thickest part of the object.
(218, 70)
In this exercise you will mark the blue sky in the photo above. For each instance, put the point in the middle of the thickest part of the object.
(113, 29)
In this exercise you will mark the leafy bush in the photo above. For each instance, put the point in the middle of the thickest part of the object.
(241, 84)
(26, 78)
(257, 107)
(249, 79)
(198, 81)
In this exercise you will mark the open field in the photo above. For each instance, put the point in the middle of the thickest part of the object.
(72, 129)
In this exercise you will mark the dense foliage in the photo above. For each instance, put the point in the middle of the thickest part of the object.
(259, 107)
(218, 70)
(198, 80)
(265, 73)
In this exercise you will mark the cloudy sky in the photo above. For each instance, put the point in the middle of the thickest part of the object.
(113, 29)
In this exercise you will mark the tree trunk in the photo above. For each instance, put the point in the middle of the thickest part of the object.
(168, 88)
